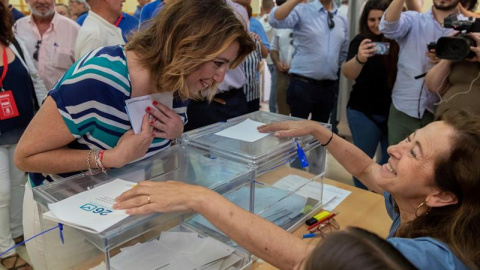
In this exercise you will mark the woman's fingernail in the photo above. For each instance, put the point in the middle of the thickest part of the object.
(155, 102)
(149, 109)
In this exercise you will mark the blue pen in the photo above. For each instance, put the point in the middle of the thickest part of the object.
(311, 235)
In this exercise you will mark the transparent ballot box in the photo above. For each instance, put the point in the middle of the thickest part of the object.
(278, 162)
(287, 209)
(180, 162)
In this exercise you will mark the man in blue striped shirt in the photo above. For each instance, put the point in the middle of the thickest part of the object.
(320, 38)
(412, 104)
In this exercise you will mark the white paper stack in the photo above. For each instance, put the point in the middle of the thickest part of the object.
(177, 251)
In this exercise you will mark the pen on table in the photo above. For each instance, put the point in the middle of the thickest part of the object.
(317, 217)
(322, 220)
(311, 235)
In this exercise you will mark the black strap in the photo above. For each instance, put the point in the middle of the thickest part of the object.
(19, 50)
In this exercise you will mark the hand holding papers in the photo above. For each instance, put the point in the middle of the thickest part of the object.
(91, 210)
(136, 107)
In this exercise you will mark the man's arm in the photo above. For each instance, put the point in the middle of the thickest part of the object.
(394, 10)
(436, 80)
(414, 5)
(282, 11)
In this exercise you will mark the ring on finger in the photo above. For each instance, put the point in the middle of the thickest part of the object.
(148, 199)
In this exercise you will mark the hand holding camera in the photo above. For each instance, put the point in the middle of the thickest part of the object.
(475, 49)
(368, 49)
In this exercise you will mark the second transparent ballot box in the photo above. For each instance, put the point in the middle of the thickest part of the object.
(281, 173)
(181, 163)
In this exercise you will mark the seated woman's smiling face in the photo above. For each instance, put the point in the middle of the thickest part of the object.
(409, 173)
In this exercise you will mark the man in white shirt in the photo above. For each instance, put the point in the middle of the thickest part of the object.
(99, 28)
(50, 40)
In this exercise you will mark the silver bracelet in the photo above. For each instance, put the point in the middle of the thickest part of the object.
(91, 171)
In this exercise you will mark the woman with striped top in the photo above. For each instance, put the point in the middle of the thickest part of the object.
(83, 124)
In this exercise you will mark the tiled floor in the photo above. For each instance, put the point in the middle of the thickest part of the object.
(23, 253)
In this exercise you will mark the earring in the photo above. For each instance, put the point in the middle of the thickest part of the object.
(420, 206)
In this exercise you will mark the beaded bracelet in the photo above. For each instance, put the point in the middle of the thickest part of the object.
(99, 160)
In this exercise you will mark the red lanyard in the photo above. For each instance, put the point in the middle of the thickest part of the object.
(117, 22)
(5, 66)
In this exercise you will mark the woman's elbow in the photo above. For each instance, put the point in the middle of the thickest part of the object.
(20, 158)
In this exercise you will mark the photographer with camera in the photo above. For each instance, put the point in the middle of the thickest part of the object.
(412, 104)
(372, 63)
(457, 83)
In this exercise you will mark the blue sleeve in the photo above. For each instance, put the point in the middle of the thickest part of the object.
(427, 253)
(128, 24)
(16, 14)
(147, 11)
(257, 28)
(397, 30)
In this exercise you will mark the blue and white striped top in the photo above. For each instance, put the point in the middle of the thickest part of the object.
(91, 99)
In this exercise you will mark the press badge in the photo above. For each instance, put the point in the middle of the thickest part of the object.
(8, 108)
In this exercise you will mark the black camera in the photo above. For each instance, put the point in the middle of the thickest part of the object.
(457, 48)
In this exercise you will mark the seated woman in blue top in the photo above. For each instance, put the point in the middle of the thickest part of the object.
(430, 183)
(83, 124)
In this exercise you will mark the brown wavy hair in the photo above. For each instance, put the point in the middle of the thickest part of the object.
(184, 35)
(6, 22)
(459, 173)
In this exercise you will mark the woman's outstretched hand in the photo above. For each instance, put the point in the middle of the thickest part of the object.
(150, 197)
(290, 128)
